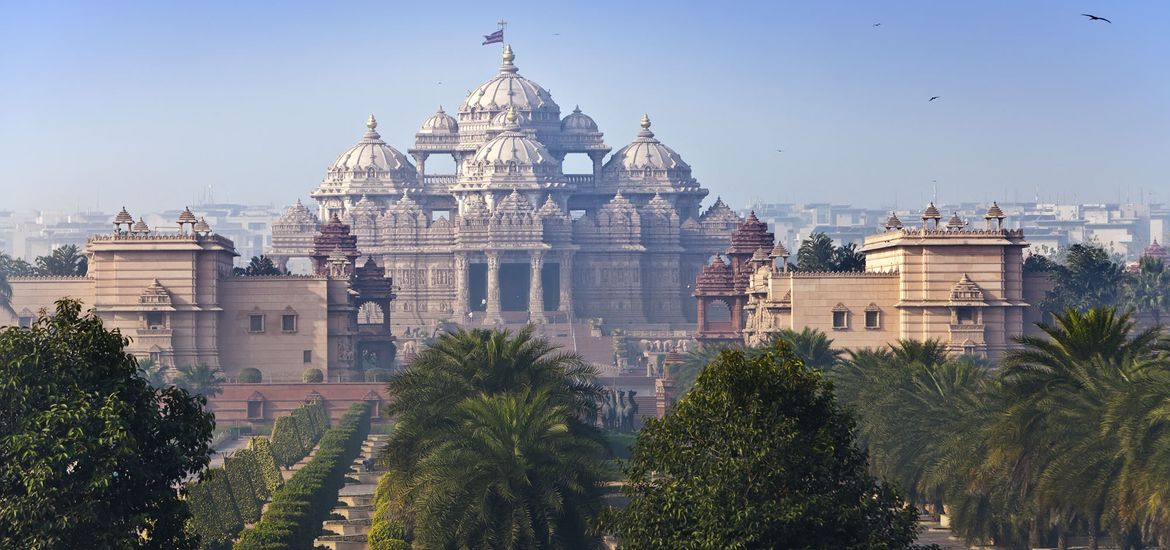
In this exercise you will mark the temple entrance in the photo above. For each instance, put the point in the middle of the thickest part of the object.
(514, 286)
(550, 281)
(477, 287)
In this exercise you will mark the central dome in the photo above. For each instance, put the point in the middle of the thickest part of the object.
(371, 158)
(509, 89)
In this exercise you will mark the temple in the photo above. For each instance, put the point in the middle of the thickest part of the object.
(960, 285)
(509, 237)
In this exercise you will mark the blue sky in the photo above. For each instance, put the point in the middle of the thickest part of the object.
(147, 103)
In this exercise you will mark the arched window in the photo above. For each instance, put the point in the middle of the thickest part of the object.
(370, 314)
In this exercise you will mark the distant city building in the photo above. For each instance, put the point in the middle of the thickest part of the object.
(509, 237)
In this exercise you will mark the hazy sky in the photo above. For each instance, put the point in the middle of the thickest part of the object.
(147, 103)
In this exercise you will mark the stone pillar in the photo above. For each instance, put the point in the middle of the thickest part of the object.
(567, 283)
(459, 308)
(420, 162)
(596, 158)
(536, 289)
(702, 316)
(493, 288)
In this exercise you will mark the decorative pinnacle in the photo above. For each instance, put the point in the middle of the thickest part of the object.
(508, 55)
(511, 117)
(372, 122)
(645, 122)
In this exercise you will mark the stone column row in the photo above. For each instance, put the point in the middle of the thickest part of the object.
(493, 288)
(535, 288)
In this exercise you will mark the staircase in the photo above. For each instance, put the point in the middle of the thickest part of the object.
(355, 503)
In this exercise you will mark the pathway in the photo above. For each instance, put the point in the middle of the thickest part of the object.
(355, 503)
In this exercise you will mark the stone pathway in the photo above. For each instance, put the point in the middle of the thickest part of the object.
(355, 503)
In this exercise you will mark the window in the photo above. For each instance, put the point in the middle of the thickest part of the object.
(156, 320)
(308, 356)
(288, 322)
(255, 410)
(155, 357)
(872, 319)
(256, 322)
(966, 316)
(25, 322)
(840, 320)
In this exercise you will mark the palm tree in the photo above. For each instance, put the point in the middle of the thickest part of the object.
(6, 294)
(258, 265)
(927, 353)
(815, 253)
(64, 261)
(199, 379)
(848, 258)
(155, 374)
(466, 365)
(511, 475)
(813, 347)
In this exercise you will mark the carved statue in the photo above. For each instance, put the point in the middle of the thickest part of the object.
(608, 410)
(623, 410)
(631, 412)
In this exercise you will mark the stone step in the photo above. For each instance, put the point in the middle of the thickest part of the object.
(355, 512)
(355, 543)
(357, 500)
(348, 527)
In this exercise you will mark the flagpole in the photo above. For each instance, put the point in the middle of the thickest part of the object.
(503, 26)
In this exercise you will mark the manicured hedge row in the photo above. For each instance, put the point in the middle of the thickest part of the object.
(293, 436)
(385, 533)
(293, 519)
(213, 510)
(266, 462)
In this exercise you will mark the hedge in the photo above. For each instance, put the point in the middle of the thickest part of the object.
(269, 469)
(250, 375)
(245, 495)
(312, 376)
(293, 436)
(293, 519)
(213, 510)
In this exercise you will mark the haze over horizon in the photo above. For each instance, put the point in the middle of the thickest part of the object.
(147, 104)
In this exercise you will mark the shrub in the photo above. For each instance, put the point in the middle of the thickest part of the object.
(294, 517)
(313, 376)
(244, 493)
(293, 436)
(249, 376)
(387, 535)
(213, 510)
(376, 375)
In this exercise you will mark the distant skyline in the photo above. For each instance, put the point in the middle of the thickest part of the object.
(146, 104)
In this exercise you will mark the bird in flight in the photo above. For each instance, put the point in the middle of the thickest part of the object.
(932, 98)
(1095, 18)
(877, 24)
(556, 34)
(779, 150)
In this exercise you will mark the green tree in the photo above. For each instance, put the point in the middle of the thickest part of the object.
(848, 258)
(259, 265)
(155, 374)
(816, 253)
(15, 267)
(6, 294)
(813, 347)
(1148, 290)
(1088, 278)
(89, 452)
(685, 373)
(64, 261)
(756, 453)
(199, 379)
(512, 475)
(431, 400)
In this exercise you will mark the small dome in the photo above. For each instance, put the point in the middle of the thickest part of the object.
(202, 227)
(297, 215)
(186, 216)
(500, 121)
(372, 158)
(893, 222)
(931, 213)
(994, 213)
(645, 153)
(440, 123)
(140, 227)
(123, 217)
(578, 123)
(955, 223)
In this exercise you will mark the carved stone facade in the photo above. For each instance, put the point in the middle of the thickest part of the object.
(962, 286)
(175, 296)
(509, 237)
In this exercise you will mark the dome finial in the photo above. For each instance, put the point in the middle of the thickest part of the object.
(645, 122)
(511, 118)
(372, 122)
(508, 55)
